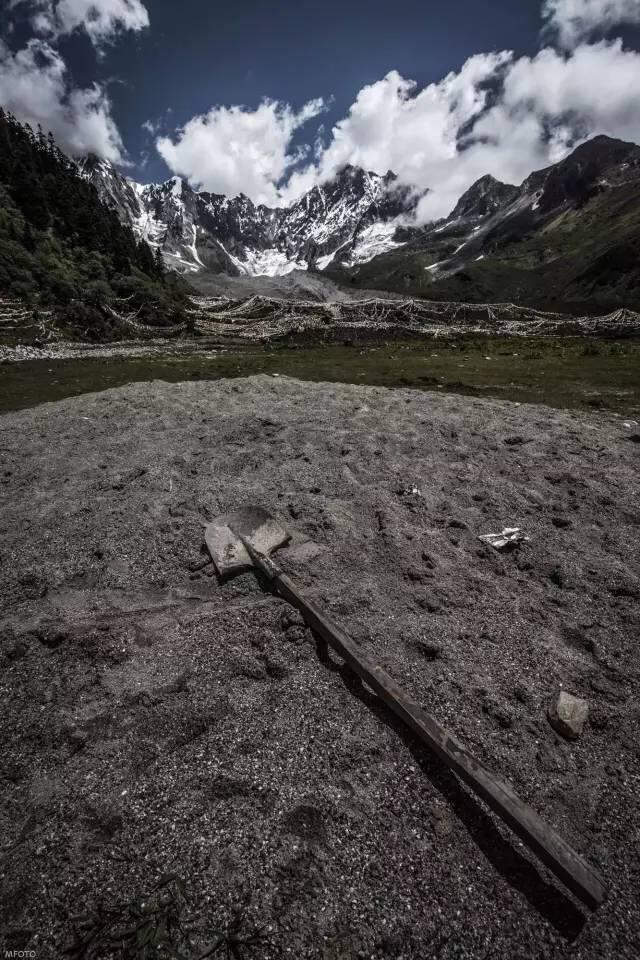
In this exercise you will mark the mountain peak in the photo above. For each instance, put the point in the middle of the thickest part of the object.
(484, 197)
(351, 217)
(594, 166)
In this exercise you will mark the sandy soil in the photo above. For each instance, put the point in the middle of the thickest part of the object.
(160, 726)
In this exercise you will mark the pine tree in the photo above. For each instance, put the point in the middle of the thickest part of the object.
(144, 258)
(85, 248)
(158, 260)
(28, 237)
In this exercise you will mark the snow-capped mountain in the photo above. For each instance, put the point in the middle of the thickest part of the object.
(349, 220)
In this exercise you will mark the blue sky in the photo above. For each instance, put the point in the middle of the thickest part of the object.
(295, 52)
(127, 78)
(195, 54)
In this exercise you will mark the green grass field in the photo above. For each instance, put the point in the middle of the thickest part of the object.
(560, 373)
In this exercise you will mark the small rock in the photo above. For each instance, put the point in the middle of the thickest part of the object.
(567, 715)
(276, 668)
(441, 821)
(383, 520)
(430, 604)
(291, 618)
(515, 441)
(458, 524)
(561, 522)
(295, 634)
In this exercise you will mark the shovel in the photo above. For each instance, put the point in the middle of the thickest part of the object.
(246, 539)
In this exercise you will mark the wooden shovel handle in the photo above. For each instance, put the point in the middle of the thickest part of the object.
(553, 851)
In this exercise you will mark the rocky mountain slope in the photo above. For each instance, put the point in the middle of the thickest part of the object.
(570, 234)
(349, 219)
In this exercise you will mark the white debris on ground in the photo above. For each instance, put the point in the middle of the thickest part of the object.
(510, 537)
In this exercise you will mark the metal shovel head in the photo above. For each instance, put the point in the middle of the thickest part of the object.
(256, 525)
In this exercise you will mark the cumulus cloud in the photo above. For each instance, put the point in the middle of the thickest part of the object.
(235, 150)
(573, 20)
(548, 104)
(394, 126)
(102, 20)
(34, 86)
(498, 114)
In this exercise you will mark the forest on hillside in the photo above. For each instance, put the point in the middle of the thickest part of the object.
(62, 248)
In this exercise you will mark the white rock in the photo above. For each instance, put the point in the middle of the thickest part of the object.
(567, 715)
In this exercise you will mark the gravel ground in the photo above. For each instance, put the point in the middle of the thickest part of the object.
(70, 350)
(177, 742)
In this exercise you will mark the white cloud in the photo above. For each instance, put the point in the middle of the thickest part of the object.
(393, 126)
(548, 104)
(33, 86)
(574, 20)
(447, 136)
(235, 150)
(497, 115)
(103, 20)
(443, 137)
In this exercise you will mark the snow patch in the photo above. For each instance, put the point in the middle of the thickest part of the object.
(323, 262)
(265, 263)
(194, 249)
(374, 240)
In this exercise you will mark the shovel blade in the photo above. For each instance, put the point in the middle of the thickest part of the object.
(258, 528)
